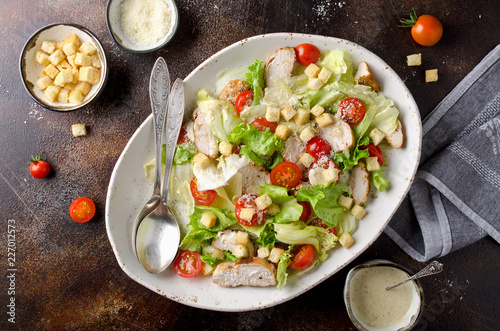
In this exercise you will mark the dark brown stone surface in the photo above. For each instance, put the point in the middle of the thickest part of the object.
(67, 275)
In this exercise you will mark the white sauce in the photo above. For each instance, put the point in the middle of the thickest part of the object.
(376, 307)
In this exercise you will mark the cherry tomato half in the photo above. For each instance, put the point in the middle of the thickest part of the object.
(306, 210)
(204, 198)
(319, 222)
(188, 264)
(286, 174)
(82, 210)
(374, 151)
(248, 201)
(262, 124)
(351, 110)
(183, 136)
(307, 54)
(317, 147)
(243, 100)
(302, 257)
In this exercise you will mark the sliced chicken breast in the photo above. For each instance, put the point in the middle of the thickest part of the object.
(364, 77)
(204, 140)
(232, 89)
(396, 138)
(245, 272)
(279, 63)
(253, 177)
(293, 150)
(360, 183)
(339, 134)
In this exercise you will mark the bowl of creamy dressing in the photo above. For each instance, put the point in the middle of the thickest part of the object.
(142, 26)
(371, 307)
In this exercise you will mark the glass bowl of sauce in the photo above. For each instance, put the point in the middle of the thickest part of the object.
(371, 307)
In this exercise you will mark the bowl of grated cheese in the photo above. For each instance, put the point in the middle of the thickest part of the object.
(142, 26)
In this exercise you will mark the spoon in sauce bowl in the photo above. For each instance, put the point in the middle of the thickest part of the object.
(431, 269)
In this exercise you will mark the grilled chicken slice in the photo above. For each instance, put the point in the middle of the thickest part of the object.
(204, 140)
(365, 77)
(339, 134)
(232, 89)
(396, 138)
(360, 183)
(293, 150)
(279, 63)
(245, 272)
(253, 177)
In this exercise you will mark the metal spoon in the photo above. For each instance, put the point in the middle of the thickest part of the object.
(431, 269)
(159, 87)
(158, 235)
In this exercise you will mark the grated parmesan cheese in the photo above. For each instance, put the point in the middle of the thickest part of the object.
(145, 22)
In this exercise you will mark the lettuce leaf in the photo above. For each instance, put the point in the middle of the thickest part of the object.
(281, 271)
(347, 162)
(289, 212)
(278, 194)
(267, 236)
(378, 179)
(260, 142)
(184, 152)
(347, 224)
(340, 64)
(255, 77)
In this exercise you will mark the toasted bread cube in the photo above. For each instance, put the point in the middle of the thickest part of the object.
(42, 58)
(240, 251)
(317, 110)
(324, 75)
(73, 38)
(331, 175)
(51, 71)
(48, 46)
(51, 92)
(358, 211)
(306, 159)
(241, 238)
(225, 148)
(63, 77)
(312, 70)
(246, 214)
(56, 57)
(63, 96)
(275, 254)
(71, 60)
(306, 134)
(317, 177)
(324, 119)
(201, 160)
(43, 83)
(263, 252)
(414, 60)
(314, 84)
(59, 45)
(88, 48)
(346, 240)
(208, 219)
(96, 63)
(69, 48)
(84, 87)
(302, 116)
(372, 163)
(288, 112)
(207, 270)
(83, 60)
(273, 114)
(79, 130)
(376, 136)
(89, 74)
(64, 65)
(431, 75)
(215, 252)
(76, 96)
(70, 86)
(273, 209)
(282, 132)
(345, 201)
(263, 201)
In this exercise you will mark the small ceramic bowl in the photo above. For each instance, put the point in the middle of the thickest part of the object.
(125, 42)
(30, 69)
(413, 313)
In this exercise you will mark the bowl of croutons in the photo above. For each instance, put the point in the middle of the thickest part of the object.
(63, 67)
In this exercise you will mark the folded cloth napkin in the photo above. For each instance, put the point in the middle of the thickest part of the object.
(455, 197)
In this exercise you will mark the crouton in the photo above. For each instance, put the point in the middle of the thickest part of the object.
(346, 240)
(282, 132)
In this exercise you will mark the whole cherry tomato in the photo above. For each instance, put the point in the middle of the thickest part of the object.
(82, 210)
(426, 30)
(317, 147)
(38, 167)
(307, 54)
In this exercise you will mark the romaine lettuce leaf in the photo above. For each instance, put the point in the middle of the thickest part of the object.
(347, 224)
(281, 271)
(344, 161)
(378, 179)
(289, 212)
(260, 142)
(255, 77)
(184, 152)
(278, 194)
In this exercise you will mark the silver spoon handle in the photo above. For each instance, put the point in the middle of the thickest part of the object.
(173, 126)
(159, 87)
(431, 269)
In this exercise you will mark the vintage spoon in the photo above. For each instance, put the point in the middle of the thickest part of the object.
(431, 269)
(158, 235)
(159, 87)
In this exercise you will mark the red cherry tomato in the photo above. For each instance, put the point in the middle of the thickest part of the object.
(351, 110)
(286, 174)
(426, 30)
(236, 150)
(82, 210)
(317, 147)
(183, 137)
(38, 167)
(243, 99)
(262, 124)
(188, 264)
(374, 151)
(306, 210)
(302, 257)
(307, 54)
(204, 198)
(319, 222)
(248, 201)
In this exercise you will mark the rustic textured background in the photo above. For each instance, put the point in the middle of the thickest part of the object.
(67, 275)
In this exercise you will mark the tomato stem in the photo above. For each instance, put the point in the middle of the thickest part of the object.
(409, 22)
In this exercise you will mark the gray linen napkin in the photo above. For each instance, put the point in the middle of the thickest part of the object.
(455, 198)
